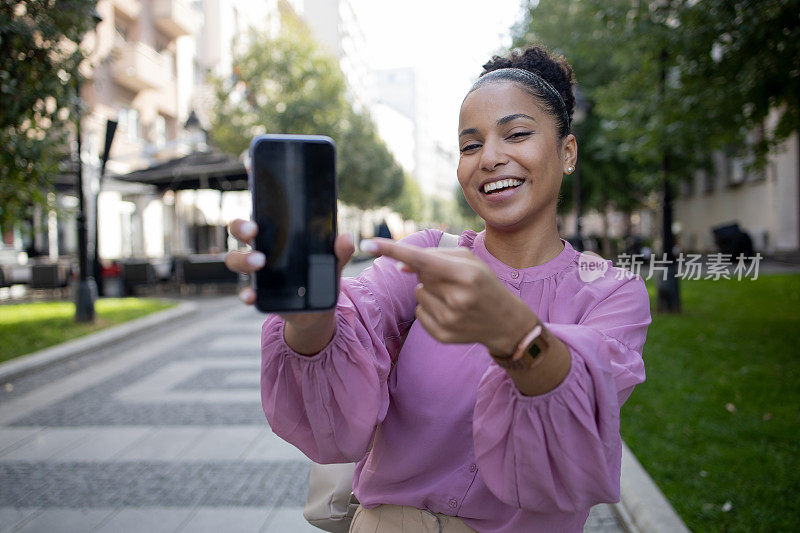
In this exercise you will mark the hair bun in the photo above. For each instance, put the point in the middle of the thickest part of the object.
(539, 60)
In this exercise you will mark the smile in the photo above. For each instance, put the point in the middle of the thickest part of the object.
(501, 185)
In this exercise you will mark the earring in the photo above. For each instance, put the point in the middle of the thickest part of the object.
(570, 169)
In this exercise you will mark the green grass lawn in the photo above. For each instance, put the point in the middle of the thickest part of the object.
(717, 422)
(26, 328)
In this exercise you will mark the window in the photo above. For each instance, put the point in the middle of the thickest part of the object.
(159, 131)
(719, 171)
(129, 124)
(738, 171)
(686, 187)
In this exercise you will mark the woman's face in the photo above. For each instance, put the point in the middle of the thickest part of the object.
(505, 135)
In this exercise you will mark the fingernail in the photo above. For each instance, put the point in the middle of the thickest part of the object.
(400, 266)
(369, 246)
(243, 294)
(256, 259)
(248, 228)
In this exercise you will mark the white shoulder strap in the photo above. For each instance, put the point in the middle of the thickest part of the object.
(448, 240)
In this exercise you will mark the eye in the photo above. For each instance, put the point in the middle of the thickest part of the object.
(470, 147)
(520, 135)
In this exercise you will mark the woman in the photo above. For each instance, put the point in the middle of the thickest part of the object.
(502, 410)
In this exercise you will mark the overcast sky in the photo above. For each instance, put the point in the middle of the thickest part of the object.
(447, 41)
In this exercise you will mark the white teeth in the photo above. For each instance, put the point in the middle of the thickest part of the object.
(489, 187)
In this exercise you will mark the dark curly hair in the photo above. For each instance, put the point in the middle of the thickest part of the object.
(554, 70)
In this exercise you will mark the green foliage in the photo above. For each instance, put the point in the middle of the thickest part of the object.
(287, 84)
(469, 218)
(410, 204)
(716, 421)
(673, 77)
(369, 176)
(609, 172)
(29, 327)
(38, 79)
(741, 60)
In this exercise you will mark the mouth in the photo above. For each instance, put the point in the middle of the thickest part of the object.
(499, 186)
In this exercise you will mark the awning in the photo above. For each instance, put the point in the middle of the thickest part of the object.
(199, 170)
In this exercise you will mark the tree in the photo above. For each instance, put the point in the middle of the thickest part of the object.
(469, 218)
(672, 81)
(281, 84)
(742, 61)
(607, 171)
(369, 176)
(411, 203)
(287, 84)
(39, 76)
(727, 65)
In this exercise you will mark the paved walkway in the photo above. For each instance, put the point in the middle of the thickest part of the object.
(162, 432)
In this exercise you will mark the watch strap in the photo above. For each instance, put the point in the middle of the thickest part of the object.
(528, 352)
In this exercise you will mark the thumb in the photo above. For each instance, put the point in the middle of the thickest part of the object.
(344, 249)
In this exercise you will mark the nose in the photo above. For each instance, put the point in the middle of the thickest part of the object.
(492, 155)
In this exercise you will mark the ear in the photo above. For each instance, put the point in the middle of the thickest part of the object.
(569, 153)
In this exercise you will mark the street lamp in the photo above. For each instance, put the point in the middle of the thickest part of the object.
(87, 289)
(668, 298)
(86, 292)
(198, 137)
(582, 108)
(111, 129)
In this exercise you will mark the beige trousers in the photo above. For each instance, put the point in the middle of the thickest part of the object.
(405, 519)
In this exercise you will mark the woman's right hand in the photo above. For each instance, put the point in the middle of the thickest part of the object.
(251, 261)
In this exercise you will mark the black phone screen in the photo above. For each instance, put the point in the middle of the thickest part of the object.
(293, 184)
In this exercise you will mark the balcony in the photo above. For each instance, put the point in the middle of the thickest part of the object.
(139, 67)
(127, 8)
(175, 18)
(168, 100)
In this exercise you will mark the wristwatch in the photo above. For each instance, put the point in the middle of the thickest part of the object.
(528, 352)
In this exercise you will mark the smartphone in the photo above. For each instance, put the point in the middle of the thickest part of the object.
(292, 181)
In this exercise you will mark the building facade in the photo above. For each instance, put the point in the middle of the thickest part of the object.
(149, 66)
(765, 203)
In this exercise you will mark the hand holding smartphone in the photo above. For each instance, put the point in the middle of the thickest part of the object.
(293, 185)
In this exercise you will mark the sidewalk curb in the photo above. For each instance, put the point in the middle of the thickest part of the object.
(643, 507)
(101, 339)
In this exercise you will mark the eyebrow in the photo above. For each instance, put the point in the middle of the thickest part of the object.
(509, 118)
(505, 120)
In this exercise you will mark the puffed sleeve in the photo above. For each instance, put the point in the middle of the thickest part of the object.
(562, 450)
(328, 404)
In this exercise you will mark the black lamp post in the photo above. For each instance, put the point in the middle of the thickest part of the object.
(198, 137)
(111, 129)
(86, 292)
(582, 108)
(668, 298)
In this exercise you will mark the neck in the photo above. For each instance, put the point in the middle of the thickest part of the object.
(524, 247)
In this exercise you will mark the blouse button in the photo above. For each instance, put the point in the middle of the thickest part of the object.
(515, 274)
(472, 467)
(453, 503)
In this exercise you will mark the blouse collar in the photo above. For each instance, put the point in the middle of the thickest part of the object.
(515, 275)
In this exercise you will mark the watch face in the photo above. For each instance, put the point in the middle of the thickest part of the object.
(534, 350)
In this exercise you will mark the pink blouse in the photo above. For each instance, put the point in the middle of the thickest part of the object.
(456, 436)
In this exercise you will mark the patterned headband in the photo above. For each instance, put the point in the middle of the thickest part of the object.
(530, 78)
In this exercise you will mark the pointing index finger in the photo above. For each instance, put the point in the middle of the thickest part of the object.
(417, 258)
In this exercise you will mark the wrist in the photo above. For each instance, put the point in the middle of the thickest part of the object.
(518, 325)
(312, 337)
(544, 372)
(309, 322)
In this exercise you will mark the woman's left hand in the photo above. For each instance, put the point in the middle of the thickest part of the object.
(460, 299)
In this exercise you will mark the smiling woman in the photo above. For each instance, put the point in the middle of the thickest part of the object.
(477, 387)
(514, 131)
